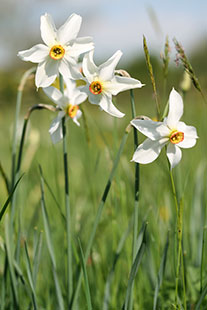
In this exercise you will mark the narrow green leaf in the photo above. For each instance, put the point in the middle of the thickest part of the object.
(134, 270)
(50, 245)
(37, 256)
(116, 257)
(87, 289)
(161, 272)
(30, 278)
(3, 209)
(9, 253)
(204, 292)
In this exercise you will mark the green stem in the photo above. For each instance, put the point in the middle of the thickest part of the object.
(202, 260)
(67, 207)
(136, 195)
(99, 211)
(179, 214)
(23, 80)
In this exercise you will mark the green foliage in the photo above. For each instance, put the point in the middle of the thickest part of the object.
(33, 251)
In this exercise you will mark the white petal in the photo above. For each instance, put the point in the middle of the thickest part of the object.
(189, 131)
(106, 70)
(187, 142)
(69, 30)
(174, 154)
(78, 115)
(90, 70)
(80, 46)
(107, 105)
(68, 68)
(151, 129)
(53, 93)
(48, 30)
(46, 73)
(36, 54)
(175, 109)
(120, 83)
(56, 128)
(74, 93)
(148, 151)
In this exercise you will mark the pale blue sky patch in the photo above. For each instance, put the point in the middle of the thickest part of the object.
(113, 24)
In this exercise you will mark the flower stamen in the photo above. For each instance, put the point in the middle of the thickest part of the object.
(72, 110)
(176, 137)
(95, 88)
(57, 52)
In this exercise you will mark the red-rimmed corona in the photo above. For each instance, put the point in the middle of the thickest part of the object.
(72, 110)
(176, 137)
(96, 87)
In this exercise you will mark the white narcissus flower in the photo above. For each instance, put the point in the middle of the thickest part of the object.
(68, 105)
(171, 132)
(60, 52)
(102, 83)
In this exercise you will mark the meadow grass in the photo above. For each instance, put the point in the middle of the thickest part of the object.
(34, 255)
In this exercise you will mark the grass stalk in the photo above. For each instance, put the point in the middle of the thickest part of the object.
(179, 214)
(67, 206)
(136, 194)
(23, 80)
(100, 210)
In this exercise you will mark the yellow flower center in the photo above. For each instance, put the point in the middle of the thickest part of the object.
(57, 52)
(96, 87)
(176, 137)
(72, 110)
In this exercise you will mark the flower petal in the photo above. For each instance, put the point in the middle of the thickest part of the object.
(75, 119)
(48, 30)
(69, 30)
(107, 105)
(74, 93)
(189, 131)
(56, 128)
(148, 151)
(90, 70)
(151, 129)
(68, 68)
(53, 93)
(120, 83)
(36, 54)
(46, 73)
(80, 46)
(174, 154)
(175, 109)
(107, 68)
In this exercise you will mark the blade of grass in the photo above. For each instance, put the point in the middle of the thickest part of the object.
(85, 276)
(23, 80)
(50, 245)
(150, 69)
(115, 260)
(9, 253)
(134, 269)
(100, 209)
(3, 209)
(37, 256)
(204, 292)
(161, 272)
(30, 278)
(5, 178)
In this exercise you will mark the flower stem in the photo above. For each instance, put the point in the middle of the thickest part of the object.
(67, 206)
(136, 195)
(179, 214)
(99, 211)
(23, 80)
